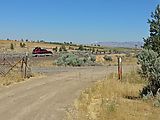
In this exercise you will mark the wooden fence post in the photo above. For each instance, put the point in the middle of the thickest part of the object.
(119, 68)
(22, 62)
(26, 64)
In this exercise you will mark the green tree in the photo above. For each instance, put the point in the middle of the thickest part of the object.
(70, 43)
(153, 41)
(149, 57)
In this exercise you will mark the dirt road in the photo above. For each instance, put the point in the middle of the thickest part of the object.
(46, 98)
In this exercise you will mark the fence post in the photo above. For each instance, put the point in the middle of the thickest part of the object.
(4, 58)
(22, 62)
(26, 60)
(120, 68)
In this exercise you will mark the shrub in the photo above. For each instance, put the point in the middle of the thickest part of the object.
(63, 48)
(93, 58)
(60, 49)
(150, 69)
(93, 50)
(156, 102)
(147, 60)
(71, 48)
(12, 46)
(76, 59)
(150, 59)
(22, 44)
(107, 58)
(81, 48)
(55, 49)
(128, 55)
(69, 59)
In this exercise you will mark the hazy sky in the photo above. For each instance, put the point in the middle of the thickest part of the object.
(78, 21)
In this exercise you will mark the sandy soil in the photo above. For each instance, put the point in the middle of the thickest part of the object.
(46, 98)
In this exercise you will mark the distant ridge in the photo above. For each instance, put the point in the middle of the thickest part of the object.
(122, 44)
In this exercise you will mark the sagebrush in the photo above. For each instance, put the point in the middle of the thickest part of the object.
(75, 59)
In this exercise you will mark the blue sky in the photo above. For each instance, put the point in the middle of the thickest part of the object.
(79, 21)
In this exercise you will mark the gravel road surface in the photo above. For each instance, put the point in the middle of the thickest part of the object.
(46, 98)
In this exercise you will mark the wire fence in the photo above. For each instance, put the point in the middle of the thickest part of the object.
(18, 63)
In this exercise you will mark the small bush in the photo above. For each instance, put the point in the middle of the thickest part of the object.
(81, 48)
(128, 55)
(12, 46)
(63, 47)
(55, 49)
(93, 58)
(107, 58)
(156, 102)
(22, 45)
(60, 49)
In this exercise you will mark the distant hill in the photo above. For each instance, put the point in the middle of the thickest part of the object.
(121, 44)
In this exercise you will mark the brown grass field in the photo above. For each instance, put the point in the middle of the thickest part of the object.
(112, 99)
(5, 46)
(126, 60)
(41, 62)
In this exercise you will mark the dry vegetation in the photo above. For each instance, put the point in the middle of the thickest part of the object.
(10, 78)
(14, 77)
(5, 46)
(114, 100)
(127, 60)
(42, 63)
(45, 62)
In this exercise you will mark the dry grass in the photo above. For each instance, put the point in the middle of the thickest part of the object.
(5, 46)
(131, 60)
(42, 63)
(12, 77)
(114, 100)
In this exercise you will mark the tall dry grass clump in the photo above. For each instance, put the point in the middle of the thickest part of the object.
(114, 100)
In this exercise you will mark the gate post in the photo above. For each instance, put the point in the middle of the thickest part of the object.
(26, 64)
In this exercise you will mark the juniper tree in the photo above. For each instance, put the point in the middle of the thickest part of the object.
(153, 41)
(150, 59)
